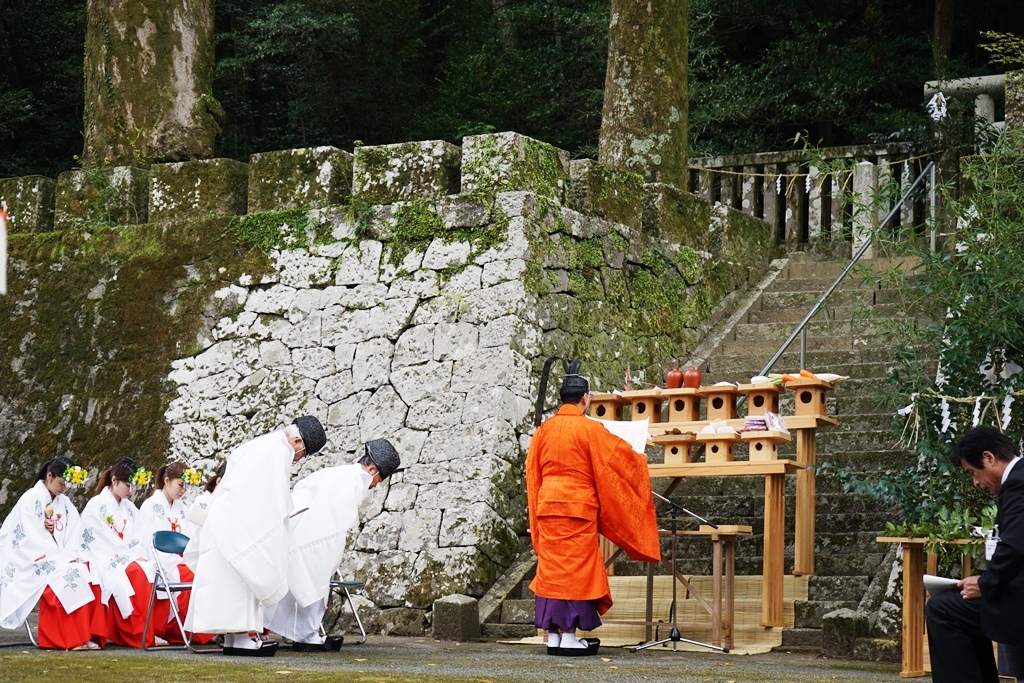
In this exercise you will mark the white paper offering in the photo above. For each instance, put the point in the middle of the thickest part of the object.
(937, 584)
(632, 432)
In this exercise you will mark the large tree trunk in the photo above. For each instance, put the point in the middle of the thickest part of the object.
(942, 35)
(643, 124)
(149, 81)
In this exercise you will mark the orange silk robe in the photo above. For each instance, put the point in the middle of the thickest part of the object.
(581, 481)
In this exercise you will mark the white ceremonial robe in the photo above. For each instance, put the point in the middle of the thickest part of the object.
(31, 559)
(197, 517)
(316, 547)
(243, 550)
(115, 535)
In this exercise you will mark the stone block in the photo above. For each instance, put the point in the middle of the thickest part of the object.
(198, 189)
(456, 617)
(29, 202)
(508, 162)
(402, 621)
(118, 195)
(676, 216)
(596, 190)
(839, 631)
(308, 178)
(878, 650)
(518, 611)
(385, 174)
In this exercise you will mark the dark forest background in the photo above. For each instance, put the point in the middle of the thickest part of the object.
(296, 73)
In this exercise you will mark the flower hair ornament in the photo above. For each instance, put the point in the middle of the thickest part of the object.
(141, 477)
(75, 475)
(192, 476)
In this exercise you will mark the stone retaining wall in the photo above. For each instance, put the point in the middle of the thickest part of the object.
(409, 312)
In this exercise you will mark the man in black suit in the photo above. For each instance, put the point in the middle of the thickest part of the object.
(962, 624)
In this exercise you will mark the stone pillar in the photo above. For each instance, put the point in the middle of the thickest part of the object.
(643, 123)
(149, 82)
(1014, 103)
(865, 218)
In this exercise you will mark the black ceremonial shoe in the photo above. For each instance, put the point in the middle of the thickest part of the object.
(591, 649)
(331, 644)
(267, 649)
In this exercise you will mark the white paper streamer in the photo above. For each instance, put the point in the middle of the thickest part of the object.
(936, 107)
(1007, 402)
(945, 416)
(977, 412)
(778, 184)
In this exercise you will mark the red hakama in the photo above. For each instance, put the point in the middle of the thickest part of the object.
(59, 630)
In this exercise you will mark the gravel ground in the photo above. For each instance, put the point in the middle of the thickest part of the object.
(423, 659)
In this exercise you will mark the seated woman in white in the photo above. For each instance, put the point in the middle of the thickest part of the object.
(39, 562)
(115, 541)
(164, 511)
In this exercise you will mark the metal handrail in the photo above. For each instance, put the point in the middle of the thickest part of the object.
(801, 328)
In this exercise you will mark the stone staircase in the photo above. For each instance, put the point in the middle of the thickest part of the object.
(844, 338)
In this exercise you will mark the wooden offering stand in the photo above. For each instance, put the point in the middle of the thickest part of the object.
(644, 405)
(683, 428)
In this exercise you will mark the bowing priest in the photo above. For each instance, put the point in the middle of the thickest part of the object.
(242, 565)
(582, 481)
(331, 499)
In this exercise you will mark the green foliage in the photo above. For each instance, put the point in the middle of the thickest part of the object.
(1004, 48)
(972, 317)
(269, 230)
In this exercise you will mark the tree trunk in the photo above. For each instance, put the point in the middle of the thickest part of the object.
(643, 123)
(942, 35)
(149, 81)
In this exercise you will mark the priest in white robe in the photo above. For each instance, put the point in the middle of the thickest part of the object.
(331, 499)
(242, 566)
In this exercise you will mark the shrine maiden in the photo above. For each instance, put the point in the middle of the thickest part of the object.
(39, 562)
(164, 511)
(115, 541)
(197, 516)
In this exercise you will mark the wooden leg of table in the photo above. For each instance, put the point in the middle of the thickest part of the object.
(649, 612)
(966, 565)
(716, 591)
(774, 547)
(730, 598)
(932, 562)
(913, 611)
(803, 546)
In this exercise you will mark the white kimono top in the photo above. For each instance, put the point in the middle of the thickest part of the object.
(114, 537)
(158, 515)
(31, 559)
(243, 551)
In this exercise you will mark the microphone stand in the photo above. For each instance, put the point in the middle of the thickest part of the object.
(674, 636)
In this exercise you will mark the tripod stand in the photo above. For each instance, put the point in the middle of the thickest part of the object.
(674, 636)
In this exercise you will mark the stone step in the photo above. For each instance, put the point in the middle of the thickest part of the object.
(828, 312)
(742, 365)
(820, 284)
(517, 611)
(801, 637)
(507, 631)
(834, 344)
(808, 613)
(799, 267)
(837, 587)
(806, 650)
(856, 564)
(769, 332)
(805, 299)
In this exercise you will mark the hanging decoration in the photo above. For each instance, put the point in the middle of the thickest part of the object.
(936, 107)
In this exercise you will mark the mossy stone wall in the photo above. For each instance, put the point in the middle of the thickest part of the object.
(423, 320)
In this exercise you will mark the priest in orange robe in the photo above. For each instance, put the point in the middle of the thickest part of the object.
(582, 481)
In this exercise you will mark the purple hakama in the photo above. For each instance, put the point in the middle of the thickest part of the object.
(566, 615)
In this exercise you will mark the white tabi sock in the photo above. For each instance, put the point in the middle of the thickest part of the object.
(569, 641)
(553, 639)
(241, 641)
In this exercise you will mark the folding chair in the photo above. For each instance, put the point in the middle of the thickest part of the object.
(338, 583)
(174, 543)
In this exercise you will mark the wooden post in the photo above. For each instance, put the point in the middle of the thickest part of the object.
(803, 545)
(774, 546)
(716, 590)
(913, 610)
(730, 579)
